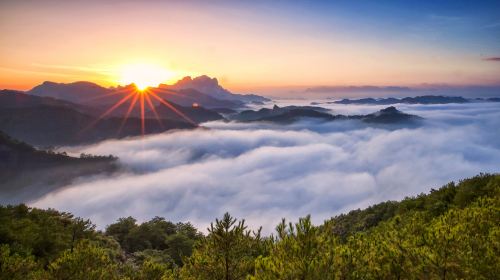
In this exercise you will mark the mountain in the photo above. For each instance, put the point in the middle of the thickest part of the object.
(44, 121)
(188, 97)
(12, 99)
(297, 114)
(280, 114)
(426, 99)
(357, 89)
(77, 92)
(290, 114)
(26, 172)
(18, 99)
(211, 87)
(370, 101)
(202, 90)
(389, 115)
(196, 113)
(336, 92)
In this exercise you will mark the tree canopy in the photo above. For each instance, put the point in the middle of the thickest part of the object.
(450, 233)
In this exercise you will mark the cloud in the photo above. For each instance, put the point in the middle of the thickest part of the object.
(265, 172)
(445, 18)
(493, 58)
(492, 25)
(354, 89)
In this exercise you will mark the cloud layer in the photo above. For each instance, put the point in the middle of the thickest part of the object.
(493, 58)
(265, 172)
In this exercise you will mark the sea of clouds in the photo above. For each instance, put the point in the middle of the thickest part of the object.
(264, 172)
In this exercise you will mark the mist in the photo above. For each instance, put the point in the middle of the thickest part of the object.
(264, 172)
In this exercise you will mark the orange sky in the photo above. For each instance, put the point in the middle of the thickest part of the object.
(246, 48)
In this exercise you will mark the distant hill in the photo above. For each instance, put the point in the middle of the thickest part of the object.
(18, 99)
(202, 90)
(197, 114)
(336, 92)
(46, 122)
(280, 114)
(188, 97)
(211, 87)
(427, 99)
(77, 92)
(26, 172)
(389, 115)
(289, 114)
(11, 99)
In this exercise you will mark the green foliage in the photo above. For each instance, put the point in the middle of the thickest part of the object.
(299, 251)
(228, 252)
(450, 233)
(86, 262)
(174, 240)
(17, 267)
(42, 233)
(436, 203)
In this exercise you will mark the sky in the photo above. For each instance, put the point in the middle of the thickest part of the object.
(252, 46)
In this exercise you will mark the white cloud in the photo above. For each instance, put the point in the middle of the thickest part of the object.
(265, 172)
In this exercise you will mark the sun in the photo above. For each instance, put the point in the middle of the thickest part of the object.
(146, 95)
(144, 75)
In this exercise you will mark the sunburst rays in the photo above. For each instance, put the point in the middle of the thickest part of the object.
(141, 100)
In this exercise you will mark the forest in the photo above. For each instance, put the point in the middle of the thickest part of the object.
(449, 233)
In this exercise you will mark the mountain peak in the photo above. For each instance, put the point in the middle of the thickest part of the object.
(203, 84)
(200, 81)
(389, 110)
(74, 92)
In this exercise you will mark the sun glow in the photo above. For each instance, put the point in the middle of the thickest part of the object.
(145, 75)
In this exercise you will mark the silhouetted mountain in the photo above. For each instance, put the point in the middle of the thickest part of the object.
(289, 114)
(427, 99)
(402, 91)
(11, 99)
(293, 115)
(389, 115)
(211, 87)
(49, 122)
(202, 90)
(357, 89)
(188, 97)
(196, 113)
(23, 167)
(383, 101)
(226, 111)
(77, 92)
(277, 112)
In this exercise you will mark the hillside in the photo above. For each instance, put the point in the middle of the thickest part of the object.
(290, 114)
(47, 122)
(449, 233)
(56, 126)
(77, 92)
(18, 99)
(26, 172)
(211, 87)
(202, 90)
